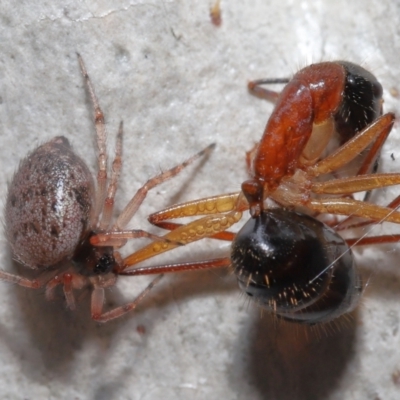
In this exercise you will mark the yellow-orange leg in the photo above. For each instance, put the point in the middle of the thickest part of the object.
(202, 228)
(207, 206)
(357, 208)
(348, 151)
(369, 160)
(360, 183)
(215, 205)
(170, 226)
(348, 223)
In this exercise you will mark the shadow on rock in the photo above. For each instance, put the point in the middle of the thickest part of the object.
(288, 361)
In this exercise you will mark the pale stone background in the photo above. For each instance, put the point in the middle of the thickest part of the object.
(179, 83)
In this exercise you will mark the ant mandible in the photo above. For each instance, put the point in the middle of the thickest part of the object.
(284, 258)
(60, 225)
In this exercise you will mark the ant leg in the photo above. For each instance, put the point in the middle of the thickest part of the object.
(265, 94)
(131, 208)
(210, 205)
(373, 153)
(383, 239)
(250, 157)
(370, 162)
(355, 184)
(182, 267)
(348, 151)
(348, 223)
(225, 235)
(101, 134)
(112, 187)
(202, 228)
(98, 301)
(343, 206)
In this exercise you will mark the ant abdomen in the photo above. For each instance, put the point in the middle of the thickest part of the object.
(296, 266)
(361, 101)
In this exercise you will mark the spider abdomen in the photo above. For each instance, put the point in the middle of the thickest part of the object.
(48, 205)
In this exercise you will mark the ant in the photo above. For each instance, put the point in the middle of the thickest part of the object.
(286, 259)
(59, 223)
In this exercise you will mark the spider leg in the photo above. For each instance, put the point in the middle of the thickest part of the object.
(119, 238)
(19, 280)
(68, 291)
(112, 187)
(69, 281)
(97, 303)
(101, 134)
(131, 208)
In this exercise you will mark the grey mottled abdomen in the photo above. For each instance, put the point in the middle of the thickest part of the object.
(48, 206)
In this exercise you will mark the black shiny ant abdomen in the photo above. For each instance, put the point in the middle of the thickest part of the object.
(296, 266)
(361, 101)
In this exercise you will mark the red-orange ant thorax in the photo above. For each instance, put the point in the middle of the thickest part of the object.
(319, 101)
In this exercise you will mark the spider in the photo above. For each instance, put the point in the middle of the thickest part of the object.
(60, 225)
(284, 257)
